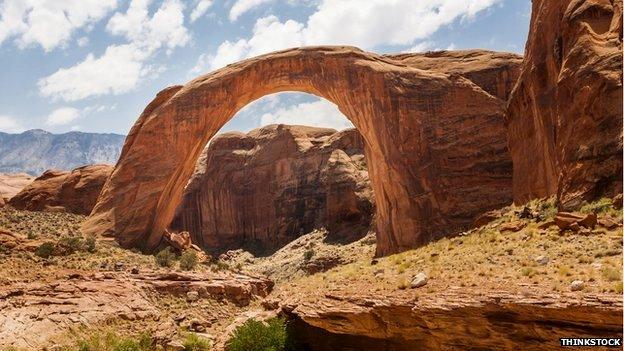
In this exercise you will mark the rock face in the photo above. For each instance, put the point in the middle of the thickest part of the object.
(13, 183)
(74, 191)
(452, 321)
(435, 143)
(35, 151)
(263, 189)
(565, 114)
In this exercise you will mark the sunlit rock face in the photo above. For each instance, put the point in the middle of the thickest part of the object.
(435, 142)
(565, 115)
(263, 189)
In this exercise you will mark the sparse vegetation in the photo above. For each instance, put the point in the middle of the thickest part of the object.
(113, 342)
(45, 250)
(192, 342)
(188, 260)
(259, 336)
(308, 254)
(165, 257)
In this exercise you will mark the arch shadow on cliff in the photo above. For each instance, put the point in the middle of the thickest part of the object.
(435, 143)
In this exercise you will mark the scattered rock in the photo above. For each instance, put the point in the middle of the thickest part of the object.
(180, 241)
(607, 223)
(572, 221)
(174, 345)
(192, 296)
(546, 225)
(577, 285)
(514, 226)
(270, 305)
(119, 266)
(589, 221)
(419, 280)
(542, 260)
(321, 263)
(134, 270)
(617, 202)
(487, 217)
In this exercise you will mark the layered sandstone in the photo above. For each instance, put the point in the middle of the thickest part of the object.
(64, 191)
(565, 114)
(435, 143)
(13, 183)
(263, 189)
(452, 320)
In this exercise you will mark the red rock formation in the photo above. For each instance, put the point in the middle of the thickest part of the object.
(565, 114)
(67, 191)
(263, 189)
(494, 72)
(434, 142)
(13, 183)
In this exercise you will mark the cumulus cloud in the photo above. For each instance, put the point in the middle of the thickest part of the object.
(242, 6)
(62, 116)
(122, 66)
(10, 124)
(200, 9)
(49, 24)
(320, 113)
(366, 24)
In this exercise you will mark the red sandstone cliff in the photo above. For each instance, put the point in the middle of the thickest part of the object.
(263, 189)
(69, 191)
(565, 114)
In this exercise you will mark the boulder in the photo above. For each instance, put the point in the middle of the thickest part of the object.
(565, 114)
(64, 191)
(263, 189)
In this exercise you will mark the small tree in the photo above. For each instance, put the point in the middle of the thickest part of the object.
(45, 250)
(259, 336)
(165, 257)
(188, 260)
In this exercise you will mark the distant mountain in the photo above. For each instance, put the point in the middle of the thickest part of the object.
(36, 150)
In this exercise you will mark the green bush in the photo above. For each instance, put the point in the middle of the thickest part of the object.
(259, 336)
(308, 254)
(165, 257)
(45, 250)
(113, 342)
(600, 206)
(195, 343)
(90, 244)
(188, 260)
(69, 244)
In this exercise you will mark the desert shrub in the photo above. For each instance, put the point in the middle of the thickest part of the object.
(90, 244)
(45, 250)
(259, 336)
(548, 208)
(611, 274)
(165, 257)
(31, 235)
(308, 254)
(192, 342)
(600, 206)
(188, 260)
(113, 342)
(69, 244)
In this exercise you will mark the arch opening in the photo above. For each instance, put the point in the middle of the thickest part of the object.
(419, 128)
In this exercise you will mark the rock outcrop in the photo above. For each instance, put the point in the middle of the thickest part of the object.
(453, 320)
(263, 189)
(13, 183)
(435, 143)
(74, 191)
(565, 114)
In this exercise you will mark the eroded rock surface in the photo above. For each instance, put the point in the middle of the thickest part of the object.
(453, 320)
(64, 191)
(435, 143)
(32, 314)
(13, 183)
(263, 189)
(565, 114)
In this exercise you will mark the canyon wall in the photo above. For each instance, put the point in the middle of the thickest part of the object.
(565, 114)
(263, 189)
(435, 143)
(73, 191)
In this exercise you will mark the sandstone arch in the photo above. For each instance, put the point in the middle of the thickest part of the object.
(435, 143)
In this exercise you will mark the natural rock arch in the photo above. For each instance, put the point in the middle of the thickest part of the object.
(435, 143)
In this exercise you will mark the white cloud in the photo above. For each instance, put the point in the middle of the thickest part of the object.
(121, 68)
(366, 24)
(10, 124)
(49, 24)
(200, 9)
(320, 113)
(62, 116)
(117, 71)
(242, 6)
(421, 47)
(82, 41)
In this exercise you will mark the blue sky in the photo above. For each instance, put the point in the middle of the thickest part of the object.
(93, 65)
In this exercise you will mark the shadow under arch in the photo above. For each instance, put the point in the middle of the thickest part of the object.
(404, 115)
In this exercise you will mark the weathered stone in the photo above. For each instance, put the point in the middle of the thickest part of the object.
(565, 113)
(437, 156)
(62, 191)
(542, 260)
(419, 280)
(12, 183)
(514, 226)
(577, 285)
(192, 296)
(180, 241)
(487, 217)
